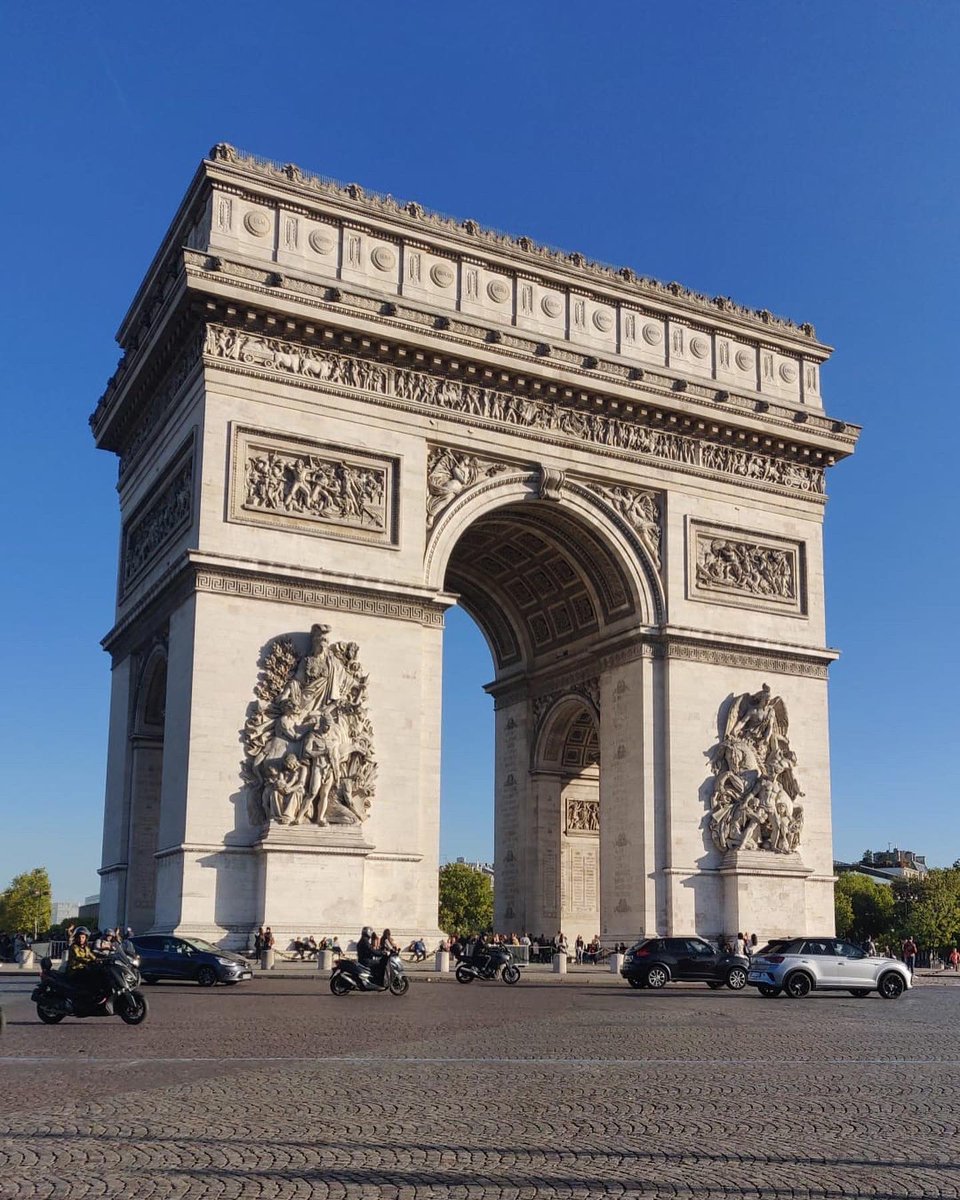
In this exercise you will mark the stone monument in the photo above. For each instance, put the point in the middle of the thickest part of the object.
(335, 416)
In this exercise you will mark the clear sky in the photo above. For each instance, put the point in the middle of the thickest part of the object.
(801, 157)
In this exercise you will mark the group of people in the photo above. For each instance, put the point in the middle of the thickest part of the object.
(744, 945)
(12, 945)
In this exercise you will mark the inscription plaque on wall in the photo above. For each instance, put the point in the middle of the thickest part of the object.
(745, 569)
(313, 487)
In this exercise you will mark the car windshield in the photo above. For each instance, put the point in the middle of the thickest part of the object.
(200, 944)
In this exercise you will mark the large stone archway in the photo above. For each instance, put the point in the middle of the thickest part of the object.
(336, 416)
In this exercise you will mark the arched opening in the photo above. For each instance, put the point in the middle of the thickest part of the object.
(567, 770)
(146, 780)
(549, 585)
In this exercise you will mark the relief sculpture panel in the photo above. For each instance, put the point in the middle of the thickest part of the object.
(165, 513)
(313, 488)
(729, 566)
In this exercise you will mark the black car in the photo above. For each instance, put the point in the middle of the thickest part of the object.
(164, 956)
(655, 962)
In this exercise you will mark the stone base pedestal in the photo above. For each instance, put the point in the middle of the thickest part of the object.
(616, 962)
(325, 960)
(559, 964)
(267, 959)
(307, 874)
(443, 962)
(764, 893)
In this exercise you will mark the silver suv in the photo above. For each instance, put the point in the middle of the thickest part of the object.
(799, 966)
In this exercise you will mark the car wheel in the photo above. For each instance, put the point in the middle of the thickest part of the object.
(736, 979)
(767, 990)
(797, 985)
(714, 984)
(657, 977)
(891, 986)
(634, 982)
(206, 976)
(860, 993)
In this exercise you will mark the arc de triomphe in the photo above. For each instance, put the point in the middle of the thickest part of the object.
(336, 415)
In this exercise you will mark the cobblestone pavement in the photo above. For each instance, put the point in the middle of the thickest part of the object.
(484, 1091)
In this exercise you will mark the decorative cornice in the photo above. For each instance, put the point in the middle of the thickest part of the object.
(470, 235)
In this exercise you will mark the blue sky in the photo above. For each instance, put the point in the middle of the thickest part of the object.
(800, 157)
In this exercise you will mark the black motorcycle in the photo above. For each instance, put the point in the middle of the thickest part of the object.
(498, 964)
(56, 996)
(387, 975)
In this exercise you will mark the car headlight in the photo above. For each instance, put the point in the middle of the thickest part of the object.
(226, 962)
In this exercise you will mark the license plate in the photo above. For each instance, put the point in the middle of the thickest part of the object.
(246, 975)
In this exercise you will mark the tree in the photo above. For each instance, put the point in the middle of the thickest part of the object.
(864, 907)
(27, 904)
(928, 908)
(466, 899)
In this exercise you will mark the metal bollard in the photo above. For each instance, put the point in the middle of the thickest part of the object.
(559, 964)
(325, 960)
(443, 962)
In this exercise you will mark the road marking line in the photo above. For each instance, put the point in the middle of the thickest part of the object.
(396, 1059)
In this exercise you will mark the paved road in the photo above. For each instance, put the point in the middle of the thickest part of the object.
(485, 1091)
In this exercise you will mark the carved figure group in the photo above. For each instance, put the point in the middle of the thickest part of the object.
(307, 485)
(641, 512)
(454, 395)
(583, 816)
(308, 737)
(745, 567)
(755, 803)
(450, 473)
(166, 514)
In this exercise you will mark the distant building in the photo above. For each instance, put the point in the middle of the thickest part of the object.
(887, 865)
(89, 913)
(485, 867)
(63, 910)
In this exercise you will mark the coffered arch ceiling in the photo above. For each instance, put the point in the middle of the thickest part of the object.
(537, 580)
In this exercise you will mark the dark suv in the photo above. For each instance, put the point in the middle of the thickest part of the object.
(655, 962)
(163, 956)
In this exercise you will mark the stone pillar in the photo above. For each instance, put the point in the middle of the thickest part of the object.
(267, 959)
(512, 854)
(325, 960)
(559, 964)
(443, 962)
(616, 962)
(543, 853)
(146, 771)
(627, 867)
(116, 819)
(26, 959)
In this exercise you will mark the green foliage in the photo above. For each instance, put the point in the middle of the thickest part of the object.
(466, 899)
(864, 908)
(26, 904)
(928, 909)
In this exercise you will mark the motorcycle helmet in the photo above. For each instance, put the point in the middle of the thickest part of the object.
(81, 929)
(366, 932)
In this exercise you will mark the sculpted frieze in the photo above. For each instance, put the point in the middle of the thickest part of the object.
(308, 738)
(640, 509)
(728, 567)
(311, 487)
(755, 802)
(452, 472)
(556, 420)
(583, 816)
(164, 515)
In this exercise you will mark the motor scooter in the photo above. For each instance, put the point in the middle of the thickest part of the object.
(499, 964)
(57, 996)
(387, 975)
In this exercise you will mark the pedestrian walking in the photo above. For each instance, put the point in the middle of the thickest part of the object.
(909, 950)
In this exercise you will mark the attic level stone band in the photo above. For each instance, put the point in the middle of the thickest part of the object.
(336, 415)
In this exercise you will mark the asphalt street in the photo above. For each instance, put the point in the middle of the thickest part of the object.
(277, 1089)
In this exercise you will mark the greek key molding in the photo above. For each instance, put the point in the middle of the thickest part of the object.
(262, 587)
(312, 487)
(159, 519)
(556, 422)
(745, 569)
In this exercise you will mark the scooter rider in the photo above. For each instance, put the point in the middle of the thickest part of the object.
(367, 956)
(83, 969)
(481, 953)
